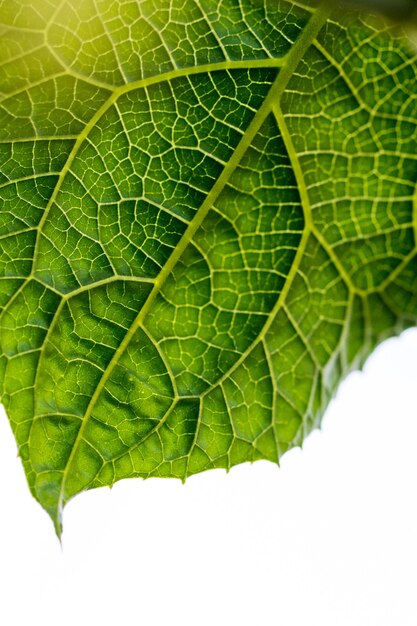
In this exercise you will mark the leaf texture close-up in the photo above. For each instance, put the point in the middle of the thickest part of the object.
(207, 219)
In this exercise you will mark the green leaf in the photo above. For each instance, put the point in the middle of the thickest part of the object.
(207, 220)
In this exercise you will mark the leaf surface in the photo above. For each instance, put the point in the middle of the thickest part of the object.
(207, 220)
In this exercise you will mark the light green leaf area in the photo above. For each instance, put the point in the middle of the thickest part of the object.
(206, 221)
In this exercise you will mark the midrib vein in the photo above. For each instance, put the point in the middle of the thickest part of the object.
(289, 64)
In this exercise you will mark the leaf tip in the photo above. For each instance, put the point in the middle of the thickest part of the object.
(48, 493)
(58, 528)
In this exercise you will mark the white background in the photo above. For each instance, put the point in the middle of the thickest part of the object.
(329, 539)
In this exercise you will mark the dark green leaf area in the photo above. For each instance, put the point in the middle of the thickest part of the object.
(359, 166)
(395, 9)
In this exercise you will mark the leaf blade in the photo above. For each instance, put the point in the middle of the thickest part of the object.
(189, 304)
